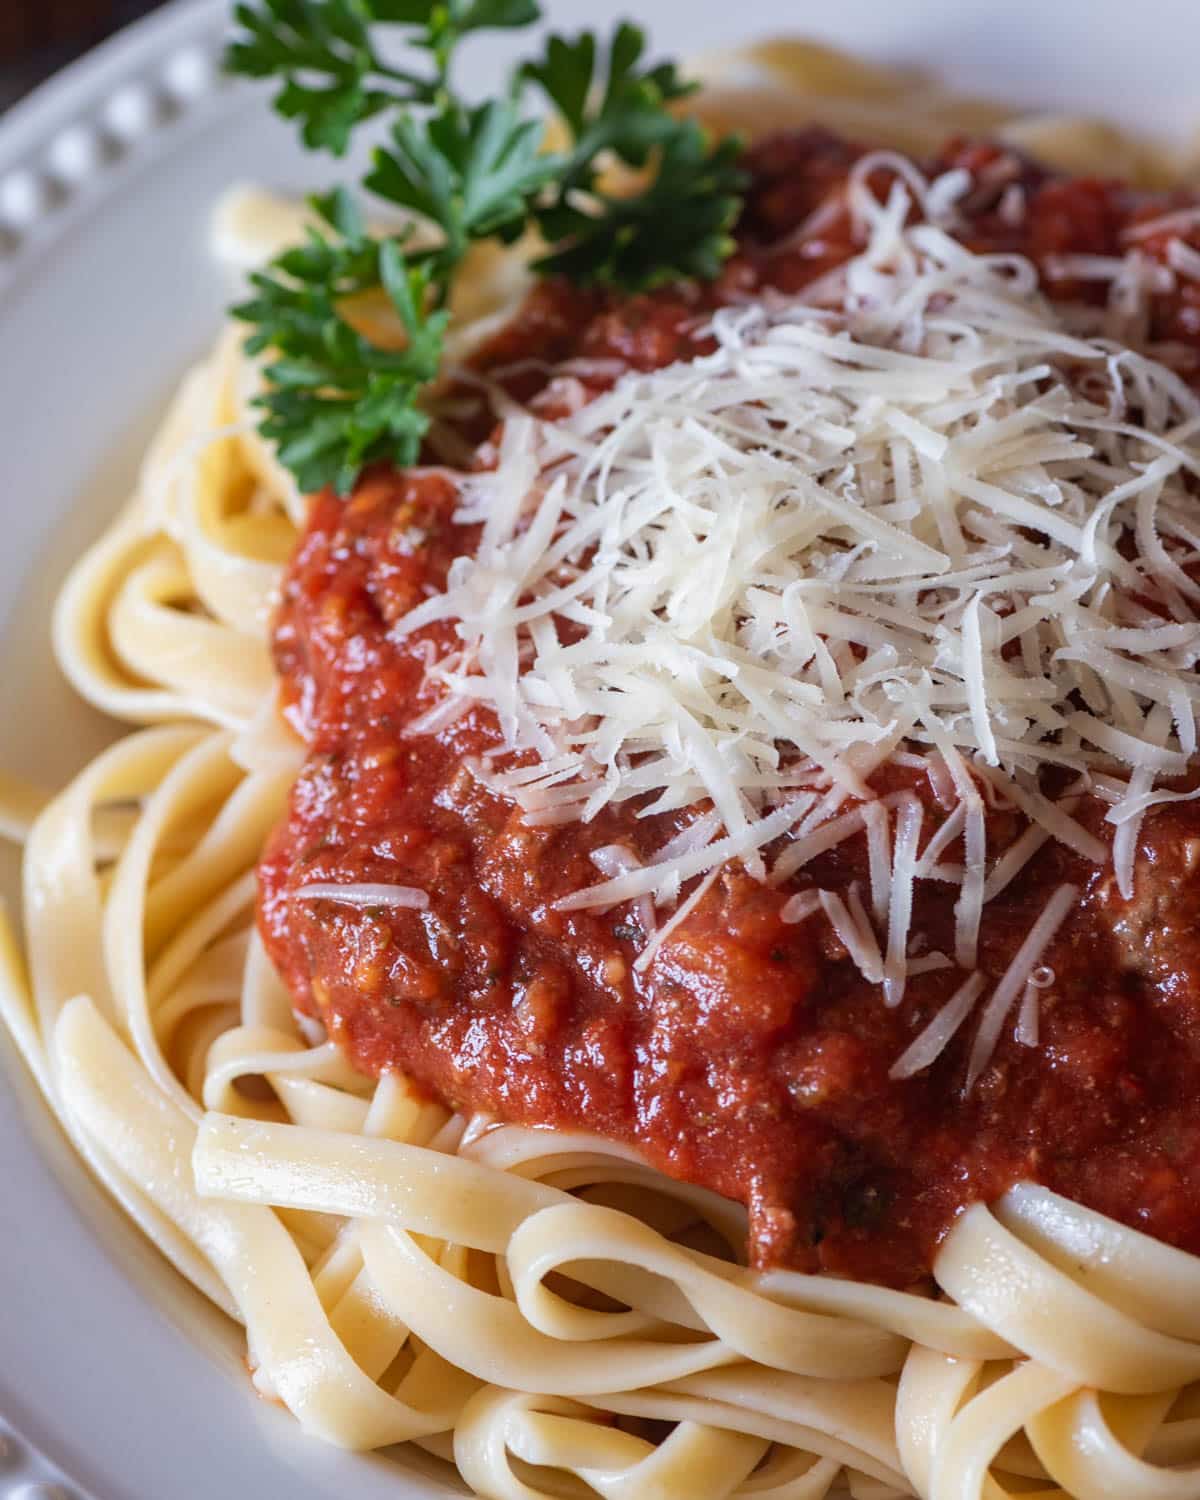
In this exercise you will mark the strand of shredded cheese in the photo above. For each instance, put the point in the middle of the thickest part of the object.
(917, 511)
(365, 894)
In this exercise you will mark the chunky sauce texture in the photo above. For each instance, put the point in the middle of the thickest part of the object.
(751, 1057)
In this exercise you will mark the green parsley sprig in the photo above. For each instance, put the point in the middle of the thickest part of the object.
(336, 401)
(466, 172)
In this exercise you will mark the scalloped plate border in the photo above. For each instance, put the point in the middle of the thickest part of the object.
(57, 147)
(26, 1475)
(60, 146)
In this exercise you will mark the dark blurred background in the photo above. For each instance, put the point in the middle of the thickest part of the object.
(38, 36)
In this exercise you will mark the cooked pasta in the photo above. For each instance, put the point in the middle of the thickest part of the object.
(541, 1307)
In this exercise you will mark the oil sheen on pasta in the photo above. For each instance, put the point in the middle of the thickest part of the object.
(751, 1057)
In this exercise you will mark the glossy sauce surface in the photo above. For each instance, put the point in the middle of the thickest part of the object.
(751, 1056)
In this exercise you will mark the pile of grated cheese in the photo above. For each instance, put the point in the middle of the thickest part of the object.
(916, 514)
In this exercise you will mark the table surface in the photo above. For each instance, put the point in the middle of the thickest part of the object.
(39, 36)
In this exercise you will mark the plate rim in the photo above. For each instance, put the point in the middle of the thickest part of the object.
(60, 151)
(63, 141)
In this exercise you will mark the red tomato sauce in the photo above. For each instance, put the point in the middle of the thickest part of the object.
(751, 1057)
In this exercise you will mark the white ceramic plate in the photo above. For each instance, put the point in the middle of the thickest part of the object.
(115, 1380)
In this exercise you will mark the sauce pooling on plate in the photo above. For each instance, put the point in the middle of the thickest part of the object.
(753, 1055)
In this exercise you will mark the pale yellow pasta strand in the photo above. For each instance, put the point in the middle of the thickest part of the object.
(967, 1449)
(849, 1422)
(1015, 1291)
(20, 804)
(1078, 1445)
(454, 1200)
(497, 1426)
(1149, 1281)
(115, 1101)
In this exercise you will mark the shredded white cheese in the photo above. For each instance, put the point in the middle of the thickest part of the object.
(1026, 959)
(363, 895)
(929, 1044)
(917, 512)
(856, 936)
(800, 907)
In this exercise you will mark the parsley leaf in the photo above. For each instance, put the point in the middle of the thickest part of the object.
(677, 229)
(678, 226)
(629, 116)
(337, 402)
(471, 174)
(333, 77)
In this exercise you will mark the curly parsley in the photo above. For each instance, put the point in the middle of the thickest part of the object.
(469, 172)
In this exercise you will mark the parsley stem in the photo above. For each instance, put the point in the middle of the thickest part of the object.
(420, 86)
